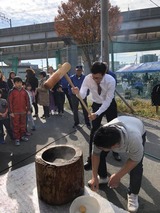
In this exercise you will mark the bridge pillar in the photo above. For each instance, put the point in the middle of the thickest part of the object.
(72, 55)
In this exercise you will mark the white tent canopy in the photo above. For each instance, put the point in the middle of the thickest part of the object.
(141, 68)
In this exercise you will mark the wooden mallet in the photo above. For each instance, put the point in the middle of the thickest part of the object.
(56, 76)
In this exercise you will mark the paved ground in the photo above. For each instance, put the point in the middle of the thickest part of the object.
(58, 130)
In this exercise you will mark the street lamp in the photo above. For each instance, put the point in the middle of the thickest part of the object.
(104, 31)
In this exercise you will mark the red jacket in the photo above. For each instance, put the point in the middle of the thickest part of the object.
(18, 101)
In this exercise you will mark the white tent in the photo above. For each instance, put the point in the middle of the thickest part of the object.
(141, 68)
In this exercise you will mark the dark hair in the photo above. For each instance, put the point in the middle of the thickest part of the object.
(107, 136)
(79, 67)
(98, 67)
(11, 72)
(30, 71)
(105, 63)
(17, 79)
(28, 85)
(43, 73)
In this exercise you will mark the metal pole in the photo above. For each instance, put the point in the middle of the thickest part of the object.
(104, 31)
(46, 44)
(1, 61)
(10, 22)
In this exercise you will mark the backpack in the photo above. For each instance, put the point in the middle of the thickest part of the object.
(155, 95)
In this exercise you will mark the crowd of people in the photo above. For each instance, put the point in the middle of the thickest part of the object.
(18, 99)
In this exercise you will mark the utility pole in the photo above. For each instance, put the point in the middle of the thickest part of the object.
(3, 18)
(1, 52)
(104, 31)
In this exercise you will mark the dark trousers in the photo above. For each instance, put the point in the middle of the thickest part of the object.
(46, 111)
(35, 105)
(65, 90)
(6, 123)
(110, 114)
(135, 174)
(60, 101)
(75, 104)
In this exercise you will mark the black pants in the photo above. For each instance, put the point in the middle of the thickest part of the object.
(35, 105)
(6, 123)
(135, 174)
(75, 104)
(110, 114)
(46, 111)
(65, 90)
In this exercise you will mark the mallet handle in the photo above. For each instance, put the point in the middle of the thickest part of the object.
(78, 95)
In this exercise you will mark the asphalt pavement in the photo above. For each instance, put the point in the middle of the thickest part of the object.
(59, 130)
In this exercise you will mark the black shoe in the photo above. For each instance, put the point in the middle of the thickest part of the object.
(43, 116)
(35, 116)
(88, 165)
(75, 126)
(116, 156)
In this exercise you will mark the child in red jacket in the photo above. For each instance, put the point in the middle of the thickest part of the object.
(19, 107)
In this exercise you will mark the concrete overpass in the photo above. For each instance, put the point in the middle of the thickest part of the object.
(140, 31)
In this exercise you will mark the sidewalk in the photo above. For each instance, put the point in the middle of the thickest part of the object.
(58, 130)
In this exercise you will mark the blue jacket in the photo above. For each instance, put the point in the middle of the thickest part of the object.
(77, 81)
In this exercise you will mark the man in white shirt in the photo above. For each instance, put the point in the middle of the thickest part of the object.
(102, 88)
(123, 134)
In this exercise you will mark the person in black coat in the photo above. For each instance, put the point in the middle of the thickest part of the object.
(33, 81)
(10, 82)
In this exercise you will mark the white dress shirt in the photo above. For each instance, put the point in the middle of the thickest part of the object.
(107, 85)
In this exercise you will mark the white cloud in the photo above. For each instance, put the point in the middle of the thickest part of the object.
(133, 4)
(24, 12)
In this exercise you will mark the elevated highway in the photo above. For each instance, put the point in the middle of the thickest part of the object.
(140, 31)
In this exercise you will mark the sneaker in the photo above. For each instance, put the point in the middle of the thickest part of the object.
(24, 138)
(101, 181)
(17, 143)
(132, 202)
(52, 112)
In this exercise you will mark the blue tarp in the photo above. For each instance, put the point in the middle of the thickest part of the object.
(141, 68)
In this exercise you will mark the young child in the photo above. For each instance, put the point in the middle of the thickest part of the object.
(19, 107)
(30, 120)
(60, 100)
(4, 119)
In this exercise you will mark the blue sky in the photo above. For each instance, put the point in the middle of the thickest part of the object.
(26, 12)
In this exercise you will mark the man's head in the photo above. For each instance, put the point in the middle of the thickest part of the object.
(107, 137)
(79, 70)
(42, 74)
(17, 82)
(98, 70)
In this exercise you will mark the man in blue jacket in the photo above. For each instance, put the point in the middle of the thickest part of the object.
(77, 80)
